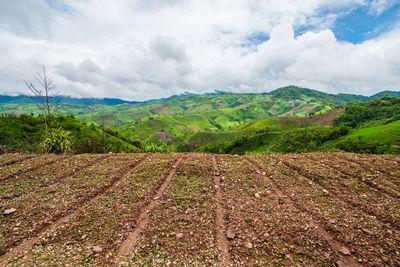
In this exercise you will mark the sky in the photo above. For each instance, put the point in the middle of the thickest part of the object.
(139, 50)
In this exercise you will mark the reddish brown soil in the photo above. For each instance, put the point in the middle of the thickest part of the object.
(9, 159)
(325, 119)
(163, 136)
(321, 209)
(29, 165)
(37, 180)
(220, 228)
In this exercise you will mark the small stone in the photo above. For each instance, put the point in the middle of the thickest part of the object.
(257, 195)
(344, 251)
(9, 211)
(248, 245)
(97, 249)
(266, 235)
(180, 235)
(84, 236)
(264, 173)
(230, 233)
(367, 231)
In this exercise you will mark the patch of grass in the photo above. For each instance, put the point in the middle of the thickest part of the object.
(377, 133)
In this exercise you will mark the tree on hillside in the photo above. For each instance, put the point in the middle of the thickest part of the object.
(43, 94)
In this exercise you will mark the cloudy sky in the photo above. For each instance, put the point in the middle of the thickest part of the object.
(143, 49)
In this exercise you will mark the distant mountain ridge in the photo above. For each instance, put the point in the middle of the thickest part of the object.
(287, 93)
(88, 101)
(25, 99)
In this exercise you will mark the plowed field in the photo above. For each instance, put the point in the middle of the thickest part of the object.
(320, 209)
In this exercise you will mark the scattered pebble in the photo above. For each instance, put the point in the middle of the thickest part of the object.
(97, 249)
(180, 235)
(344, 251)
(367, 231)
(257, 195)
(230, 233)
(9, 211)
(248, 245)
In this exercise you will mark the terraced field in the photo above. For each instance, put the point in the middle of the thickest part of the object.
(320, 209)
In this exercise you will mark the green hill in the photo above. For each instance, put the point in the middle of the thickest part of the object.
(198, 120)
(27, 133)
(370, 127)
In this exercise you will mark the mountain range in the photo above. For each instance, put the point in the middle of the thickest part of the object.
(183, 118)
(284, 92)
(288, 119)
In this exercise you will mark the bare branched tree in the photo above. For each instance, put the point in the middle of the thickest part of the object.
(43, 95)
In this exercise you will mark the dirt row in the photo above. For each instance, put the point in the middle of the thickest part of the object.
(370, 240)
(38, 180)
(196, 209)
(35, 212)
(353, 193)
(9, 159)
(31, 164)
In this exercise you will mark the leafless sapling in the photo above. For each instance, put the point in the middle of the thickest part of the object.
(43, 94)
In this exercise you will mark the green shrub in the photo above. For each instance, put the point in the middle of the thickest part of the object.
(58, 141)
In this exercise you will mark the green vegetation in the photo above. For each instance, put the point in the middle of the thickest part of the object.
(27, 133)
(382, 110)
(370, 127)
(204, 138)
(382, 133)
(287, 120)
(182, 117)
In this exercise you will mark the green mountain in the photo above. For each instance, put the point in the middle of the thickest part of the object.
(385, 93)
(191, 120)
(293, 92)
(361, 127)
(66, 100)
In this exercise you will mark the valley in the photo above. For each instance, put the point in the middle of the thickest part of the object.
(275, 122)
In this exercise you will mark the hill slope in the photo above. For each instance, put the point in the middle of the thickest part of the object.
(186, 118)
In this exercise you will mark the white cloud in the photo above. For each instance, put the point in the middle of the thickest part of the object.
(379, 6)
(150, 49)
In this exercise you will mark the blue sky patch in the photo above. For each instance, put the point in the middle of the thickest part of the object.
(357, 24)
(258, 38)
(360, 24)
(59, 5)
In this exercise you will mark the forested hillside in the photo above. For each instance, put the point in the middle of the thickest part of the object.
(370, 127)
(289, 119)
